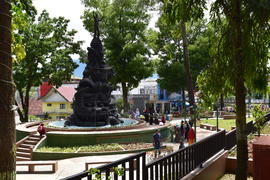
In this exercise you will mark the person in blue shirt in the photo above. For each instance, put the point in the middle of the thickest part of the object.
(156, 142)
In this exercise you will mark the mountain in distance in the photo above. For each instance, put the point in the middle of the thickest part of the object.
(78, 72)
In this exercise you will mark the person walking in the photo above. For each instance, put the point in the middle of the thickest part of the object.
(156, 142)
(146, 115)
(186, 126)
(137, 114)
(191, 135)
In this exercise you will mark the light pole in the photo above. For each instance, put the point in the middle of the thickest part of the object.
(195, 119)
(217, 114)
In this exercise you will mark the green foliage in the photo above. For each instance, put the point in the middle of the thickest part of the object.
(170, 66)
(57, 149)
(122, 26)
(119, 171)
(92, 148)
(95, 172)
(184, 10)
(34, 118)
(259, 114)
(48, 47)
(120, 105)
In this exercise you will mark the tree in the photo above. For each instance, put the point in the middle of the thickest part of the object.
(240, 59)
(7, 128)
(48, 49)
(123, 25)
(168, 48)
(182, 12)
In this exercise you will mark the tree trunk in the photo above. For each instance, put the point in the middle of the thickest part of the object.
(125, 97)
(26, 107)
(184, 102)
(221, 102)
(240, 92)
(187, 69)
(7, 128)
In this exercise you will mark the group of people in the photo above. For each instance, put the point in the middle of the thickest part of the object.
(184, 132)
(149, 116)
(153, 118)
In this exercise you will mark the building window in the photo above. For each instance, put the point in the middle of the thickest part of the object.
(49, 104)
(62, 106)
(60, 117)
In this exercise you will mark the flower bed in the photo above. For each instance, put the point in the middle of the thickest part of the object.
(97, 148)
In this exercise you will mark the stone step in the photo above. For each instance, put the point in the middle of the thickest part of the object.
(30, 142)
(34, 138)
(23, 154)
(18, 158)
(27, 146)
(21, 149)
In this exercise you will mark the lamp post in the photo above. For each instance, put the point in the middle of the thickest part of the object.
(217, 114)
(195, 124)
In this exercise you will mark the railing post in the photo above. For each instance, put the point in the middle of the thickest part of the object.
(144, 169)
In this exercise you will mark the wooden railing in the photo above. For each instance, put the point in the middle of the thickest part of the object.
(133, 168)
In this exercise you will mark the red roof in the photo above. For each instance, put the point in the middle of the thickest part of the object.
(67, 92)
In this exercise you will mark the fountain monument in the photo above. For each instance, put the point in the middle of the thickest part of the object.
(92, 102)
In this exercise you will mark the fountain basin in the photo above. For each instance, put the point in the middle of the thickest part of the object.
(64, 137)
(60, 124)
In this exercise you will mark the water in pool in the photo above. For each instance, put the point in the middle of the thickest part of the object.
(60, 124)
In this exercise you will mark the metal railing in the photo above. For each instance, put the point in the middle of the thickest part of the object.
(133, 168)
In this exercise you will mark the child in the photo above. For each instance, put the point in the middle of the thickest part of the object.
(41, 129)
(163, 119)
(181, 145)
(156, 142)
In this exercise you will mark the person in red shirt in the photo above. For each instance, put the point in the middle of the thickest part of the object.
(163, 119)
(41, 129)
(191, 135)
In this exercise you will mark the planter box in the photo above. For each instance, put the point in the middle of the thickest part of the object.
(261, 156)
(231, 165)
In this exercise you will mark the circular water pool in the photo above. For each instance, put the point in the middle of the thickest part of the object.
(60, 124)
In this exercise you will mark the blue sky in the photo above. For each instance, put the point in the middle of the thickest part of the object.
(79, 70)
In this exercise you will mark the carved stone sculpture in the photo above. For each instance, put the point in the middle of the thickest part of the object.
(92, 101)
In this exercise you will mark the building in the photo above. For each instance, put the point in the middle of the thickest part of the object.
(57, 102)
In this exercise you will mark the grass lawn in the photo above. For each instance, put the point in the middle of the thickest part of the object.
(225, 124)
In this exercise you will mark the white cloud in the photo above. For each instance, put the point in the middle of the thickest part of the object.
(70, 9)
